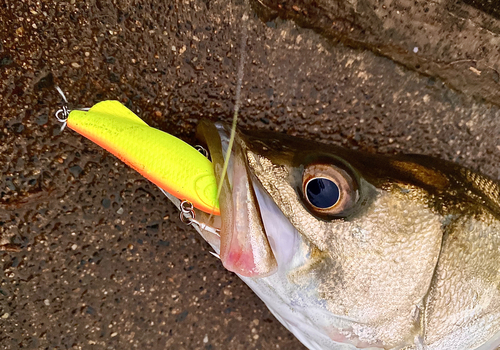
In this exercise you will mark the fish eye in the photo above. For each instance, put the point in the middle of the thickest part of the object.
(322, 193)
(328, 189)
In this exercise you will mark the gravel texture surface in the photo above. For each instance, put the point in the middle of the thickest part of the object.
(94, 256)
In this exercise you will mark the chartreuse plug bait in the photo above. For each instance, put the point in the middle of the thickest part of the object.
(165, 160)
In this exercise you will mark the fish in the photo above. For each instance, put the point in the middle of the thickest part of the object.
(352, 250)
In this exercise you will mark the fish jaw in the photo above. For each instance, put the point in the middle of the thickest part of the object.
(256, 239)
(242, 245)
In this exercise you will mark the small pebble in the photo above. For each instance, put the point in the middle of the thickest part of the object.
(46, 302)
(5, 316)
(75, 170)
(106, 202)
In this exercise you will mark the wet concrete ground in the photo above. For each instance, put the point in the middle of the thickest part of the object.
(104, 262)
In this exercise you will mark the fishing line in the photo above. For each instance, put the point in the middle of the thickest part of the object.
(237, 103)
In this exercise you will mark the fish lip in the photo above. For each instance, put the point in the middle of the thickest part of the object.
(245, 247)
(281, 235)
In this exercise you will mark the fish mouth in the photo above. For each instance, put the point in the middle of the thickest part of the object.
(256, 239)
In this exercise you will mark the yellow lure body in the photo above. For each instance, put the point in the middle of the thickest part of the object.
(165, 160)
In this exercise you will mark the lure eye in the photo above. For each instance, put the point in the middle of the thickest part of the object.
(322, 193)
(328, 189)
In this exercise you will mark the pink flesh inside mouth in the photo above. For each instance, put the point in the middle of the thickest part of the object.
(244, 246)
(255, 236)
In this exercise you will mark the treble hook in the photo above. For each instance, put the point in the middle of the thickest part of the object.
(63, 113)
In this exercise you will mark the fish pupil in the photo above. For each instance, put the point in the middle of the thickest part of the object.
(322, 193)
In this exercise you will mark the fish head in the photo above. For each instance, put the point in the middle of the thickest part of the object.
(342, 246)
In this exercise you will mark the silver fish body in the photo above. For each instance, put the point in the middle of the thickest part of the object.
(405, 255)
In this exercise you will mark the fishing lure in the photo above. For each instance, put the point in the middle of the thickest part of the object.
(170, 163)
